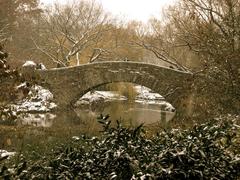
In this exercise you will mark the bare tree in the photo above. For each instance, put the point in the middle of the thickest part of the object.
(211, 30)
(155, 39)
(3, 33)
(208, 27)
(66, 31)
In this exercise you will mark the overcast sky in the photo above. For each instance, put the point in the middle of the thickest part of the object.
(130, 9)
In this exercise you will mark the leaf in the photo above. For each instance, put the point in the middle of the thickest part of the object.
(137, 130)
(202, 153)
(106, 117)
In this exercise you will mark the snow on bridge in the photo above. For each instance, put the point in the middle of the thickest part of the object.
(68, 84)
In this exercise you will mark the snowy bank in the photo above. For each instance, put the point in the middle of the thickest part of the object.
(38, 99)
(144, 93)
(144, 96)
(98, 97)
(32, 108)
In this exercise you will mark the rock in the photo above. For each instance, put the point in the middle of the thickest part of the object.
(29, 64)
(144, 93)
(23, 89)
(41, 66)
(28, 69)
(37, 100)
(96, 102)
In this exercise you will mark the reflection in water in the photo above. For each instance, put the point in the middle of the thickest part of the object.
(37, 119)
(45, 128)
(131, 113)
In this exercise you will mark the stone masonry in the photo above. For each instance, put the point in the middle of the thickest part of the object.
(69, 83)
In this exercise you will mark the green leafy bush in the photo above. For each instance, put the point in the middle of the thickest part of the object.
(206, 151)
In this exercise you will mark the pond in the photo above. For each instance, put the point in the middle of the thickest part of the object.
(42, 127)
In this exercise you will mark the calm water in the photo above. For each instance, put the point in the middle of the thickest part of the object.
(35, 129)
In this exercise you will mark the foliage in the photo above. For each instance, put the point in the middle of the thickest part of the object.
(10, 10)
(16, 21)
(8, 78)
(207, 151)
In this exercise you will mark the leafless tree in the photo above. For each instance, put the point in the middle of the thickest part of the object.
(66, 31)
(211, 30)
(154, 39)
(3, 33)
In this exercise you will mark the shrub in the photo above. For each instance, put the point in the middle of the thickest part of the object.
(206, 151)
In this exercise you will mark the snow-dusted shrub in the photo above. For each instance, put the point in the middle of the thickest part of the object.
(206, 151)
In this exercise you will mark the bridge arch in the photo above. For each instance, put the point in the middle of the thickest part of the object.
(70, 83)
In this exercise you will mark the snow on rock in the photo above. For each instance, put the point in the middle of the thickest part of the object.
(149, 96)
(145, 93)
(33, 109)
(41, 66)
(4, 153)
(99, 97)
(41, 93)
(164, 106)
(37, 100)
(141, 89)
(29, 64)
(144, 96)
(111, 95)
(90, 98)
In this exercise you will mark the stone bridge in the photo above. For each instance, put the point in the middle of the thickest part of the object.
(70, 83)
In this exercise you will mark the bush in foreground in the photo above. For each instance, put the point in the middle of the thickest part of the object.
(207, 151)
